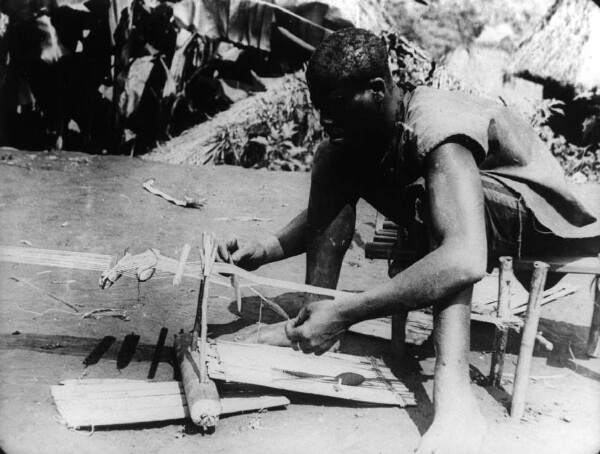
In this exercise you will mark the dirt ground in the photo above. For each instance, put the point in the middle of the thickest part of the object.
(77, 202)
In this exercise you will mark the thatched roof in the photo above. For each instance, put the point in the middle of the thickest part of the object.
(564, 48)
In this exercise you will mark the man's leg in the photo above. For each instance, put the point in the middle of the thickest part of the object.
(458, 426)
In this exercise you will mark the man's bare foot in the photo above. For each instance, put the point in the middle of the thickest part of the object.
(261, 333)
(457, 430)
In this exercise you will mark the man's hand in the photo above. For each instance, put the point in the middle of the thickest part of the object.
(247, 254)
(317, 327)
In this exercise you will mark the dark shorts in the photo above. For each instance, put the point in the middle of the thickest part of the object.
(512, 229)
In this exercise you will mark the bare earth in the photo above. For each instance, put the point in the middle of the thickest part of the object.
(76, 202)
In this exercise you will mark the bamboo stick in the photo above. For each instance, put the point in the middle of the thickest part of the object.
(181, 265)
(593, 347)
(501, 333)
(236, 287)
(540, 339)
(528, 340)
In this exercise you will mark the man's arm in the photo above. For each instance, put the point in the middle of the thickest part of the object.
(252, 254)
(457, 228)
(292, 238)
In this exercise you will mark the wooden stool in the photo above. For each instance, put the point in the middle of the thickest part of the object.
(385, 245)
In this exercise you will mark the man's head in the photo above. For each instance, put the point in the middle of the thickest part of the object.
(350, 84)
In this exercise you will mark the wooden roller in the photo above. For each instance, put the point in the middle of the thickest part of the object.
(201, 393)
(204, 404)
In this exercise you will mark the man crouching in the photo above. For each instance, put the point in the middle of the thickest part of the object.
(490, 188)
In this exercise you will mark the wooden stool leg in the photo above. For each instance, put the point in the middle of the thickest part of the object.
(593, 348)
(528, 339)
(398, 344)
(501, 335)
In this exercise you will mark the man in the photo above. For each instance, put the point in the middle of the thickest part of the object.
(491, 189)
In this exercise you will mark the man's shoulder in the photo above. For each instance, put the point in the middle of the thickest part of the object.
(434, 116)
(433, 101)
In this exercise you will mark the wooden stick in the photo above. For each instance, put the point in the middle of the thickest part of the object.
(35, 287)
(181, 266)
(204, 326)
(201, 392)
(528, 340)
(593, 347)
(501, 333)
(109, 277)
(236, 287)
(540, 339)
(157, 352)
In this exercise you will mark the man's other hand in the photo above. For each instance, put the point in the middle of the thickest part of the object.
(317, 327)
(247, 254)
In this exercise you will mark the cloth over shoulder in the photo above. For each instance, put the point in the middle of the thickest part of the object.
(505, 147)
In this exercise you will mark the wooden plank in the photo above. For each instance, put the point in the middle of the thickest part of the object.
(390, 225)
(284, 368)
(573, 264)
(387, 251)
(419, 326)
(107, 402)
(384, 239)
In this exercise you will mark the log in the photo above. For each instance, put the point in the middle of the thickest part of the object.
(109, 402)
(203, 401)
(530, 331)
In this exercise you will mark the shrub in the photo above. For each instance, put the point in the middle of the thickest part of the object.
(281, 136)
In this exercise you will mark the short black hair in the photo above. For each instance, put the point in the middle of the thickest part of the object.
(349, 58)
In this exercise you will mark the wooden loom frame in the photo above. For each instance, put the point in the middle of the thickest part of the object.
(378, 385)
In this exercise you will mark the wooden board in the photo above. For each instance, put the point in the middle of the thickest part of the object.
(86, 403)
(284, 368)
(419, 326)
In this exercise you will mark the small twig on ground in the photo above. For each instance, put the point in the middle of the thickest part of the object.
(187, 203)
(29, 284)
(105, 312)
